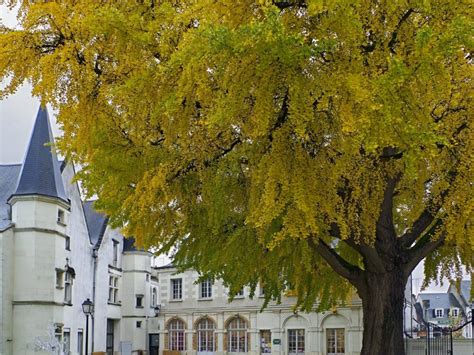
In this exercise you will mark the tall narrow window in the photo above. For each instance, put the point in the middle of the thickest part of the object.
(68, 288)
(265, 341)
(67, 342)
(205, 289)
(237, 335)
(335, 341)
(139, 301)
(80, 342)
(113, 289)
(176, 289)
(154, 297)
(205, 331)
(109, 342)
(59, 278)
(295, 341)
(176, 335)
(115, 252)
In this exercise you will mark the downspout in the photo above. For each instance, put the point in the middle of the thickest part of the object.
(95, 253)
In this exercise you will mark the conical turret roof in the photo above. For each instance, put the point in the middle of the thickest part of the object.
(40, 173)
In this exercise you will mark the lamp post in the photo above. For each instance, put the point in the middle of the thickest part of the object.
(157, 310)
(88, 309)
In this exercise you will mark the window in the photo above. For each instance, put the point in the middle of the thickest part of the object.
(67, 342)
(113, 289)
(115, 253)
(67, 245)
(265, 341)
(61, 217)
(176, 289)
(439, 313)
(240, 294)
(295, 341)
(237, 335)
(139, 324)
(59, 278)
(205, 289)
(80, 342)
(139, 301)
(109, 342)
(455, 312)
(176, 335)
(335, 341)
(154, 297)
(68, 288)
(205, 331)
(262, 291)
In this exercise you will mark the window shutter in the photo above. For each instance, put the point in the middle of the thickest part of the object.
(433, 311)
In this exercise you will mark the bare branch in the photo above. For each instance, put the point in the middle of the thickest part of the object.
(394, 38)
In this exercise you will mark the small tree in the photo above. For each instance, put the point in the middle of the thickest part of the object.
(320, 146)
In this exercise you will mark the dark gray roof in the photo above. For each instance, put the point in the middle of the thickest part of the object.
(8, 178)
(466, 290)
(96, 222)
(40, 173)
(167, 266)
(439, 300)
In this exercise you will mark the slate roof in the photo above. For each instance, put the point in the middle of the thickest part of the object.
(466, 290)
(8, 181)
(439, 300)
(40, 173)
(96, 222)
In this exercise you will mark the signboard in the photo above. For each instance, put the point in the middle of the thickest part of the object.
(276, 341)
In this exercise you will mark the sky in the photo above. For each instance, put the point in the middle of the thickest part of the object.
(17, 114)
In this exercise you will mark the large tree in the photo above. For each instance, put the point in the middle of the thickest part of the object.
(317, 146)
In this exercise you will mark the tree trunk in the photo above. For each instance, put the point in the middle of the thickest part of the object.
(383, 303)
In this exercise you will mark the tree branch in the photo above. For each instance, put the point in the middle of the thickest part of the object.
(335, 261)
(286, 4)
(424, 221)
(394, 38)
(424, 246)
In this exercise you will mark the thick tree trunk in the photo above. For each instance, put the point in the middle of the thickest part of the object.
(383, 301)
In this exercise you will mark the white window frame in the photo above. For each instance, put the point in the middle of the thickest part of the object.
(295, 339)
(115, 253)
(113, 288)
(205, 290)
(176, 335)
(237, 335)
(439, 310)
(455, 310)
(206, 339)
(337, 341)
(176, 289)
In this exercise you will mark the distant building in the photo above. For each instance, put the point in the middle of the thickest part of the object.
(198, 318)
(463, 297)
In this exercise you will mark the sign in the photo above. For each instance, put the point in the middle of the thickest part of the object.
(276, 341)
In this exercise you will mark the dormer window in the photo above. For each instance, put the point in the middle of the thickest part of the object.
(455, 312)
(61, 217)
(439, 313)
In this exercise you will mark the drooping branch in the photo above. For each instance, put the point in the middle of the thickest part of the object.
(338, 264)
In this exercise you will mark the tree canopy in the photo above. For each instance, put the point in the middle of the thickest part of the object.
(294, 143)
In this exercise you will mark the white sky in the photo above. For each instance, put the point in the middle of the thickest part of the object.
(17, 114)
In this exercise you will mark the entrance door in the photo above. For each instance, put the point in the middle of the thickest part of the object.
(154, 341)
(335, 341)
(296, 341)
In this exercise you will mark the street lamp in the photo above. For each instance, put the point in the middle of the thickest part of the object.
(88, 309)
(157, 310)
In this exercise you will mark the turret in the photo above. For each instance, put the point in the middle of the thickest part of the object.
(40, 211)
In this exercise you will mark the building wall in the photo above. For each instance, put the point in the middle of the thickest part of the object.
(277, 318)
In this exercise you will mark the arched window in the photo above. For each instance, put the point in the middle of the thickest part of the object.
(237, 335)
(176, 335)
(205, 332)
